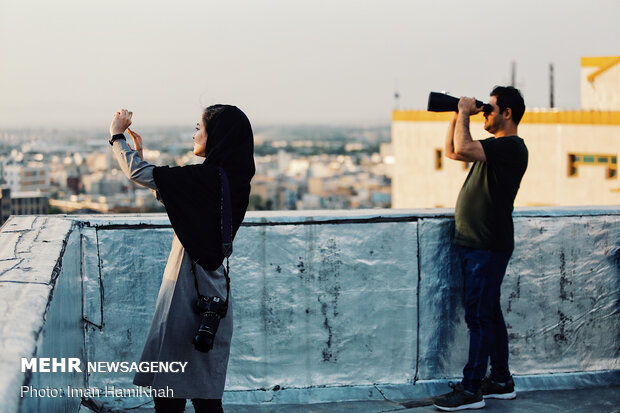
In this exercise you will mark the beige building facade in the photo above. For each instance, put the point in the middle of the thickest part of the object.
(573, 155)
(600, 81)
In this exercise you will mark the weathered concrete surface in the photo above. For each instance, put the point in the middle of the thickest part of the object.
(342, 295)
(559, 297)
(604, 399)
(30, 266)
(562, 293)
(124, 270)
(443, 335)
(62, 335)
(27, 240)
(315, 305)
(336, 305)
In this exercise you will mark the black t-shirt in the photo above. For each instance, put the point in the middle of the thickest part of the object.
(484, 207)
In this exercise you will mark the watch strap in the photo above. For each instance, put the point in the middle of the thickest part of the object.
(116, 137)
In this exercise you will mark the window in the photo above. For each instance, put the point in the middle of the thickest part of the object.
(572, 165)
(610, 161)
(438, 159)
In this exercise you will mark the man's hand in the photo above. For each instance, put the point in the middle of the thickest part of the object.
(467, 106)
(120, 122)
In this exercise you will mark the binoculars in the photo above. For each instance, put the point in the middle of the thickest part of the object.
(441, 102)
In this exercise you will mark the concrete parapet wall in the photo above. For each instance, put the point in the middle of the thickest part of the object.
(40, 308)
(559, 297)
(322, 300)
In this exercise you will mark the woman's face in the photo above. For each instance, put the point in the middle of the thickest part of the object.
(200, 139)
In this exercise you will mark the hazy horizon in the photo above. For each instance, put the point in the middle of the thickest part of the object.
(70, 64)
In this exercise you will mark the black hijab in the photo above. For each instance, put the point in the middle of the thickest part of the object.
(192, 194)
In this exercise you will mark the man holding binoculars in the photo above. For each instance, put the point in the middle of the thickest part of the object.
(484, 237)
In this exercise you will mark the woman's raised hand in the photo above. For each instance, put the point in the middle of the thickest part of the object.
(120, 122)
(137, 141)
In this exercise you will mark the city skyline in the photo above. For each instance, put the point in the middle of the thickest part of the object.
(72, 64)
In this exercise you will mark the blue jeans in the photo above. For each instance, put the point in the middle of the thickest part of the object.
(483, 272)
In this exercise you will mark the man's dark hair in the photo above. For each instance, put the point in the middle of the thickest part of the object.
(510, 97)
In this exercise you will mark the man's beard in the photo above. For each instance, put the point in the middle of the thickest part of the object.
(493, 127)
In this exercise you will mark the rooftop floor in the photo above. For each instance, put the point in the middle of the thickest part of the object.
(593, 400)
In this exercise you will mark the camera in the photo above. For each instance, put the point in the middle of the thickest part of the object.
(442, 102)
(212, 310)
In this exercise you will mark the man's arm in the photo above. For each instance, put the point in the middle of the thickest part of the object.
(449, 146)
(465, 148)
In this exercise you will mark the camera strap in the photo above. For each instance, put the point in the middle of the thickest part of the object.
(226, 228)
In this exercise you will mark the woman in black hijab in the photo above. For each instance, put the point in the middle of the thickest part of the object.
(205, 216)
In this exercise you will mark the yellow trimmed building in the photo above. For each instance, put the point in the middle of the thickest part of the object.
(573, 155)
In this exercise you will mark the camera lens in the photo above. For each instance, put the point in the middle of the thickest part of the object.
(206, 333)
(203, 342)
(212, 310)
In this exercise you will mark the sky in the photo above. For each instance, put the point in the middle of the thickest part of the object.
(73, 63)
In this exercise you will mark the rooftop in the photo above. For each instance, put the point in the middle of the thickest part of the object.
(334, 310)
(598, 399)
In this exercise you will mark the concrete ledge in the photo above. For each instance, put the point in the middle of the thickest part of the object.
(420, 390)
(318, 216)
(34, 253)
(329, 305)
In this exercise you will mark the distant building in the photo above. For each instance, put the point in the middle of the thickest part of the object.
(573, 155)
(288, 194)
(600, 83)
(21, 203)
(33, 176)
(74, 183)
(5, 204)
(81, 203)
(264, 190)
(387, 159)
(100, 161)
(29, 203)
(104, 183)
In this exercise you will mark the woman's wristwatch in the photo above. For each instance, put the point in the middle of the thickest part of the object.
(116, 137)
